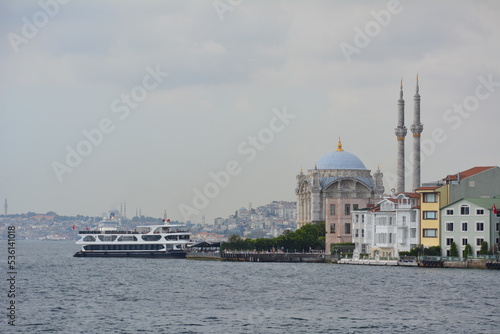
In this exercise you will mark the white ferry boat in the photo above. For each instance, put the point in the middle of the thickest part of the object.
(151, 241)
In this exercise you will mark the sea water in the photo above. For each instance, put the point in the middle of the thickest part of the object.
(56, 292)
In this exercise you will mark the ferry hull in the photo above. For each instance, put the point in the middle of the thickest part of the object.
(149, 255)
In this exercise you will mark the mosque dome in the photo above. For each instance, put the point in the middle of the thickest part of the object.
(340, 159)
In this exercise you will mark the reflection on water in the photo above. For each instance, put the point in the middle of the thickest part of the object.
(94, 295)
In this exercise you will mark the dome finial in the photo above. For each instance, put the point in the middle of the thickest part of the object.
(339, 146)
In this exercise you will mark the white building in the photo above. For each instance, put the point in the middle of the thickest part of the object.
(388, 228)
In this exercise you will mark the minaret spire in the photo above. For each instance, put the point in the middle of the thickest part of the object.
(417, 129)
(400, 132)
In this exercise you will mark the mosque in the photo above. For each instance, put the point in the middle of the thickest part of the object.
(340, 182)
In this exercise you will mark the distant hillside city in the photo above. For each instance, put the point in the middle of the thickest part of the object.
(265, 221)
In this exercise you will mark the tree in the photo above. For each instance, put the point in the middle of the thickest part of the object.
(484, 248)
(453, 249)
(467, 251)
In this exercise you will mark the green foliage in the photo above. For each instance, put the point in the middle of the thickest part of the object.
(467, 251)
(309, 236)
(420, 250)
(453, 249)
(484, 248)
(433, 251)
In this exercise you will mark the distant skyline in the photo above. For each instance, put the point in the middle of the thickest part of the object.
(199, 108)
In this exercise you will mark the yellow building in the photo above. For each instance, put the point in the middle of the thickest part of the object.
(476, 182)
(430, 203)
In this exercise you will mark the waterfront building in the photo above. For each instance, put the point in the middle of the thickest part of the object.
(430, 203)
(338, 184)
(470, 221)
(476, 182)
(388, 228)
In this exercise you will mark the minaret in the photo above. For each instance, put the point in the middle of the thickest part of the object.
(400, 132)
(417, 129)
(378, 177)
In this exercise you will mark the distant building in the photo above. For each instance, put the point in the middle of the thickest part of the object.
(338, 184)
(388, 228)
(476, 182)
(470, 221)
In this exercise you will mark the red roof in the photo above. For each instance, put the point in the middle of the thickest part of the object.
(414, 195)
(469, 172)
(428, 188)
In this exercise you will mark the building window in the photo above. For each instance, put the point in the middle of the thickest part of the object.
(332, 228)
(413, 233)
(465, 226)
(465, 241)
(347, 209)
(479, 212)
(498, 227)
(430, 233)
(332, 209)
(355, 206)
(449, 241)
(362, 218)
(390, 220)
(449, 212)
(430, 198)
(479, 226)
(362, 233)
(430, 214)
(347, 228)
(479, 241)
(464, 210)
(449, 227)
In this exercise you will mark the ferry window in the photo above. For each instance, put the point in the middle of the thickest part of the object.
(151, 237)
(89, 238)
(107, 237)
(127, 238)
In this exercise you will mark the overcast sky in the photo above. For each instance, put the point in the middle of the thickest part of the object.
(146, 102)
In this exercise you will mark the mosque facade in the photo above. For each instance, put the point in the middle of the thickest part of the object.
(337, 185)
